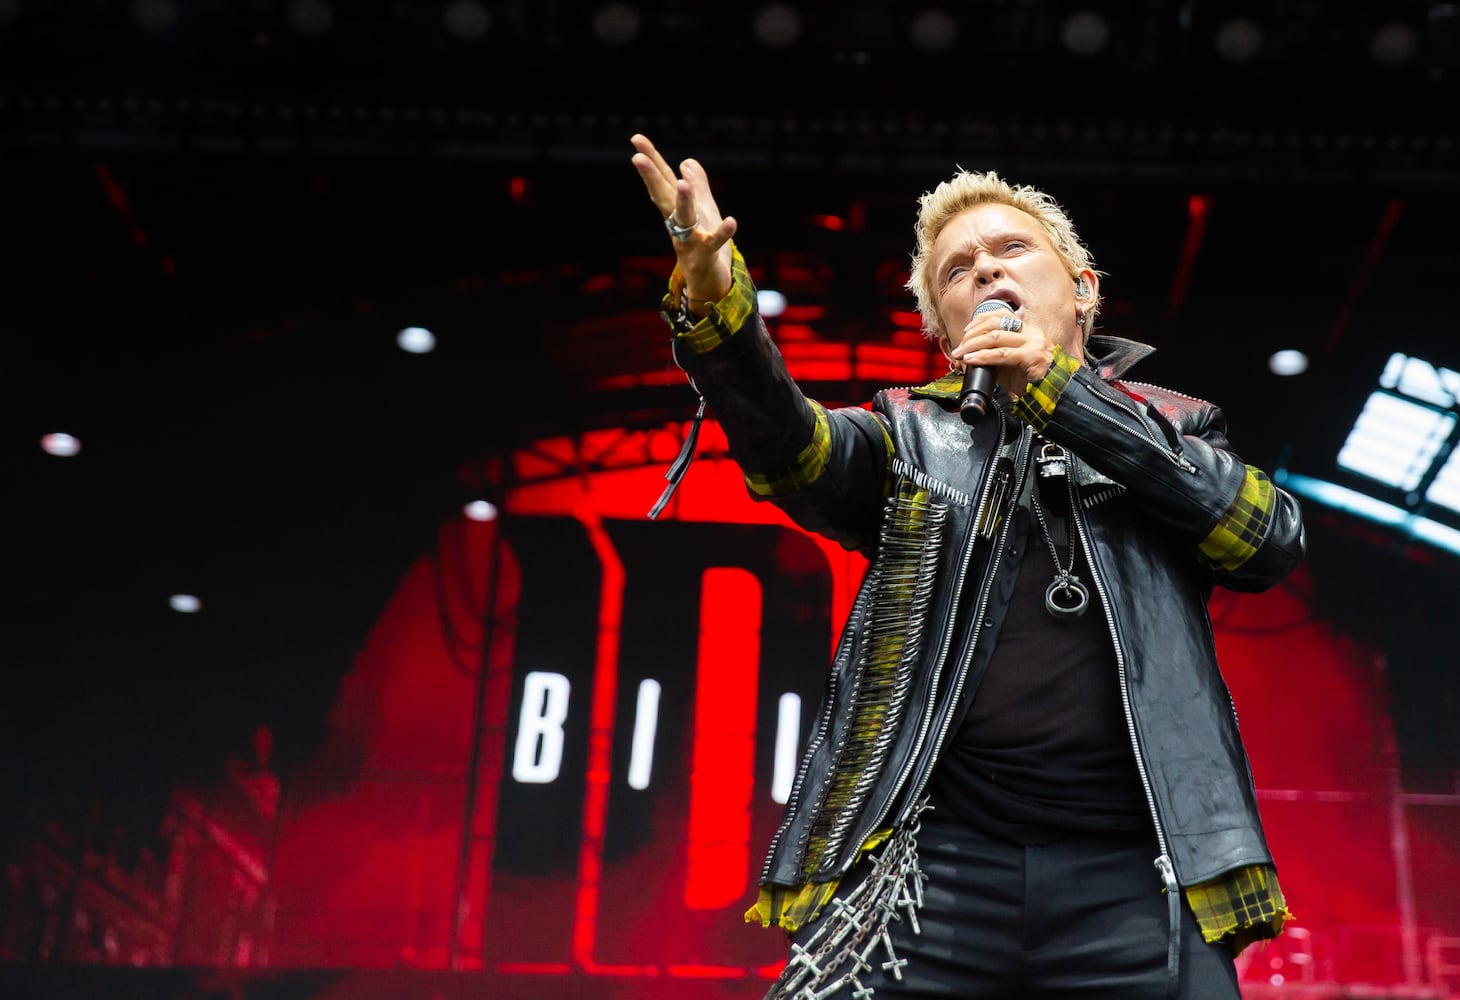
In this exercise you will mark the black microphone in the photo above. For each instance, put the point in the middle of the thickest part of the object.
(978, 383)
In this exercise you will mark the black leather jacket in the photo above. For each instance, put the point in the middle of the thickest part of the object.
(1165, 511)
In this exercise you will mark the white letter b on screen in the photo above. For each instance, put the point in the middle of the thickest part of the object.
(539, 753)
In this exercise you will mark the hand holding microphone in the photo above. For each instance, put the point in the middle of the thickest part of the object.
(978, 382)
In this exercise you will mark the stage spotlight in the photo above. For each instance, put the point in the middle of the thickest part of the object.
(1238, 39)
(1394, 440)
(310, 17)
(1445, 490)
(1404, 424)
(1418, 379)
(185, 604)
(777, 25)
(616, 24)
(770, 302)
(61, 444)
(480, 510)
(1085, 32)
(1394, 44)
(416, 340)
(933, 30)
(1403, 451)
(466, 20)
(1288, 362)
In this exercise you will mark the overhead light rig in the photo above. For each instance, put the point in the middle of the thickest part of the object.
(1203, 86)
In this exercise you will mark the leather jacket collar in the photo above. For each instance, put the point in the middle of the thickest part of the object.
(1112, 357)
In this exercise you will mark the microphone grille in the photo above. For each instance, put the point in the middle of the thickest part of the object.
(991, 305)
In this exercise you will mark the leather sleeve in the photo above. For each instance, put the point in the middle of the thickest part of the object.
(1171, 454)
(828, 469)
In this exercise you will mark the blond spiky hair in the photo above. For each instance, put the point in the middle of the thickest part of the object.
(964, 190)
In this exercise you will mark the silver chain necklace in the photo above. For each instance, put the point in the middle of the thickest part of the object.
(1066, 596)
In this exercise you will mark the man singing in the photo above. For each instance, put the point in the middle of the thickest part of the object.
(1026, 777)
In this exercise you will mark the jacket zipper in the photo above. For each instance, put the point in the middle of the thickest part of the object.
(1178, 459)
(1020, 468)
(822, 725)
(1163, 862)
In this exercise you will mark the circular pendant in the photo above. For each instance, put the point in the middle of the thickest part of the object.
(1066, 597)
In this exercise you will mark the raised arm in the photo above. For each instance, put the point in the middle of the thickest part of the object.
(826, 468)
(701, 234)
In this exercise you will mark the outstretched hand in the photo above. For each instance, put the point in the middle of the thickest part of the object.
(701, 237)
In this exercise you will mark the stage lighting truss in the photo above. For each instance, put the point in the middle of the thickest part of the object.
(1405, 435)
(1403, 445)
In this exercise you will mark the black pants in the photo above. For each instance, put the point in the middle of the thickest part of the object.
(1083, 917)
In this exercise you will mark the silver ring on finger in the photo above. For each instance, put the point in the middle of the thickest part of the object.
(679, 232)
(1011, 324)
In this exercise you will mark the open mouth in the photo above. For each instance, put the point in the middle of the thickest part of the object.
(1008, 297)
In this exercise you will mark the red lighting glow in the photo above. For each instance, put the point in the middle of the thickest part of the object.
(723, 775)
(1377, 244)
(727, 608)
(1196, 226)
(600, 737)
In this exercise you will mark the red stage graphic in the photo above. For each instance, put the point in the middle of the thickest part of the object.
(637, 674)
(568, 737)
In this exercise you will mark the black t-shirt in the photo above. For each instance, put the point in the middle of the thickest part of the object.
(1044, 749)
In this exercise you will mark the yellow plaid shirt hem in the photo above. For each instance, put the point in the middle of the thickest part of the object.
(1245, 905)
(1241, 528)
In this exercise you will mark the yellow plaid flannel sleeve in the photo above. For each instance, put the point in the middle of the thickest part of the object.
(1038, 401)
(726, 316)
(1240, 530)
(1246, 905)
